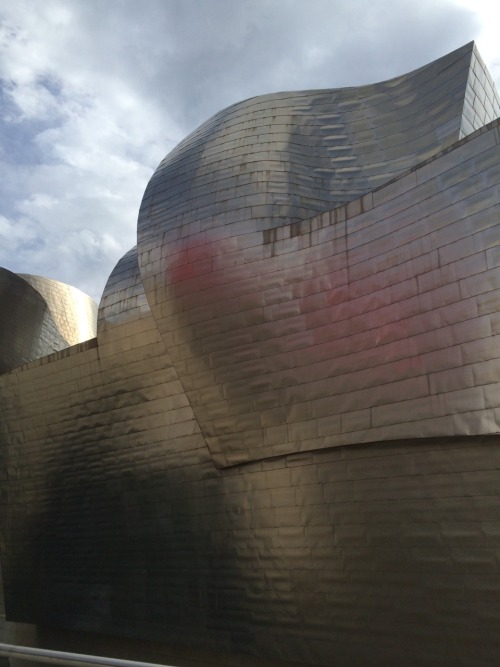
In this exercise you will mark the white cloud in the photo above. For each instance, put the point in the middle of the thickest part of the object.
(100, 141)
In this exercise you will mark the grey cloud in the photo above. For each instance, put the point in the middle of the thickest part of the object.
(197, 57)
(234, 50)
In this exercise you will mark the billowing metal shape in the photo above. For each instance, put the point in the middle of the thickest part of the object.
(291, 336)
(39, 316)
(284, 440)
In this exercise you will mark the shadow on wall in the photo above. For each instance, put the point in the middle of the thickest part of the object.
(129, 554)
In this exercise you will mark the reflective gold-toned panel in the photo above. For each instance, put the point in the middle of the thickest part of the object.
(39, 316)
(284, 441)
(73, 311)
(293, 333)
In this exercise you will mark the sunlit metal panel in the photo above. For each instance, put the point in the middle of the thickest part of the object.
(284, 441)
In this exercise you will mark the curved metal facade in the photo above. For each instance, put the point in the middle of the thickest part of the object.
(39, 316)
(73, 311)
(123, 299)
(291, 336)
(284, 440)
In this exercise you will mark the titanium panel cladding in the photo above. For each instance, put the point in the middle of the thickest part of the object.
(283, 441)
(291, 331)
(39, 316)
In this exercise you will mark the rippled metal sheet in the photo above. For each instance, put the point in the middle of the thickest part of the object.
(291, 336)
(39, 316)
(290, 346)
(123, 299)
(73, 311)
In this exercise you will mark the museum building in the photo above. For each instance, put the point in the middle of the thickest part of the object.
(281, 444)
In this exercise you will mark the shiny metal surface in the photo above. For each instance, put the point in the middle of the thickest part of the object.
(123, 299)
(39, 316)
(73, 311)
(284, 440)
(291, 336)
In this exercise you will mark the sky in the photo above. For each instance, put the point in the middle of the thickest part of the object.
(94, 93)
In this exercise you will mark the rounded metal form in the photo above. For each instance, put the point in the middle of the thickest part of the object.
(123, 299)
(40, 316)
(249, 248)
(294, 453)
(74, 312)
(277, 159)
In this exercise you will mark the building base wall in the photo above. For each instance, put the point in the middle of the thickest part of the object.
(370, 555)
